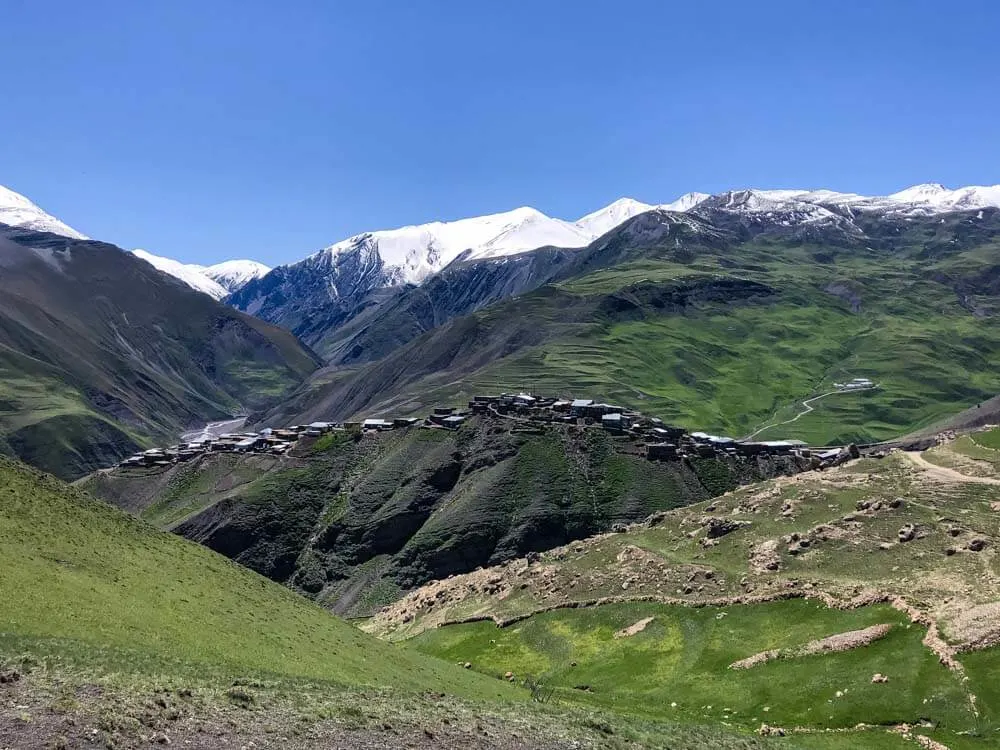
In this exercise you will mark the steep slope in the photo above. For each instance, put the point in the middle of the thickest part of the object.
(99, 350)
(716, 321)
(358, 519)
(333, 284)
(192, 275)
(72, 560)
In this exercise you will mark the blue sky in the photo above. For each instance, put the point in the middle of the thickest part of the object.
(211, 130)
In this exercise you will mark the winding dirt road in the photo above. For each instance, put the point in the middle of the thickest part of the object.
(943, 473)
(808, 408)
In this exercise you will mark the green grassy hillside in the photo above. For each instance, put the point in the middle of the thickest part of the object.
(728, 336)
(649, 621)
(677, 666)
(80, 573)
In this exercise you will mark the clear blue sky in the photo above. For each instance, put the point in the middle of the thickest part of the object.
(216, 129)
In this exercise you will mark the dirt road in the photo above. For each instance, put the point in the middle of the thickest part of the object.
(943, 473)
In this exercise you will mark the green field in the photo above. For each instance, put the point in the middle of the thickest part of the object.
(677, 667)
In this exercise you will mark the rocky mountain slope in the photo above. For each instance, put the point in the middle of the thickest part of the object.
(718, 319)
(100, 351)
(356, 520)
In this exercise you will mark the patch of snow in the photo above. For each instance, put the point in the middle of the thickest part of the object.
(235, 274)
(686, 202)
(18, 211)
(605, 219)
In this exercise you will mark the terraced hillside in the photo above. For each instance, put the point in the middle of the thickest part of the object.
(356, 520)
(719, 326)
(733, 605)
(100, 352)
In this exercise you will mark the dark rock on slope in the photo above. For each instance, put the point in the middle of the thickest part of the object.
(359, 519)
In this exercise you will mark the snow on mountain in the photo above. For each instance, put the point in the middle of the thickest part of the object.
(605, 219)
(216, 281)
(410, 254)
(235, 274)
(811, 205)
(782, 206)
(686, 202)
(191, 274)
(933, 198)
(18, 211)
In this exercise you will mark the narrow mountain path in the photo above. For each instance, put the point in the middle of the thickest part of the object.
(808, 408)
(944, 474)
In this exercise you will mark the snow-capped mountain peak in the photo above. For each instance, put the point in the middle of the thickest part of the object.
(927, 192)
(607, 218)
(686, 202)
(235, 274)
(18, 211)
(409, 254)
(216, 281)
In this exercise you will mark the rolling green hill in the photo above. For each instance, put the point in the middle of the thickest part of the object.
(80, 573)
(99, 352)
(717, 328)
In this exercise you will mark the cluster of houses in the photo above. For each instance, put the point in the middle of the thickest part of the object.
(276, 442)
(659, 441)
(280, 441)
(649, 436)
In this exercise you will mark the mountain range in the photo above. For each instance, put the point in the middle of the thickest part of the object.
(435, 312)
(781, 609)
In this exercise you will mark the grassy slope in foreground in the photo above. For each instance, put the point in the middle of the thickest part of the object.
(117, 623)
(75, 568)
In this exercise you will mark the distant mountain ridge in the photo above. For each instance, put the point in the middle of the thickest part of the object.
(315, 296)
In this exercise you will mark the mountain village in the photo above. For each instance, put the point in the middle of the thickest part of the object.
(637, 434)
